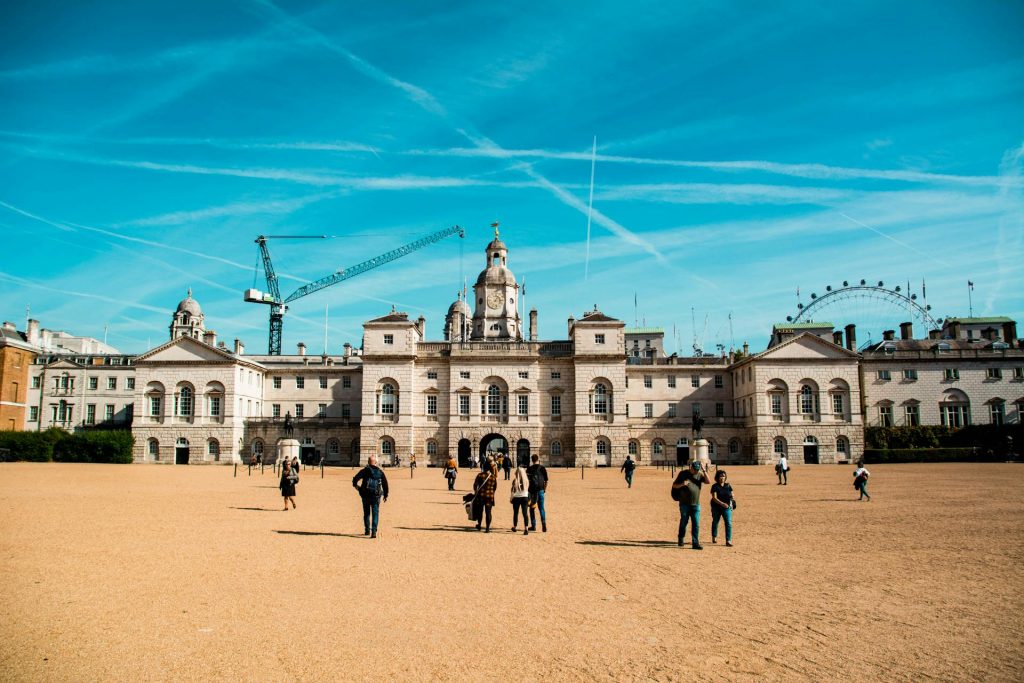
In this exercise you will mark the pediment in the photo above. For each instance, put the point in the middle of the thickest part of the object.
(431, 390)
(186, 350)
(463, 390)
(806, 347)
(521, 390)
(64, 364)
(556, 390)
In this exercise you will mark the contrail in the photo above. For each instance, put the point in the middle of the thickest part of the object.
(899, 242)
(590, 208)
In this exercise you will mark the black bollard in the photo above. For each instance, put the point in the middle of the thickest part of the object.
(236, 469)
(321, 469)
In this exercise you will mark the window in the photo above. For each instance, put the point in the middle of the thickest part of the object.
(463, 404)
(524, 404)
(910, 375)
(94, 382)
(431, 374)
(257, 449)
(386, 447)
(388, 400)
(463, 374)
(213, 448)
(108, 412)
(719, 382)
(842, 446)
(277, 382)
(389, 339)
(90, 414)
(647, 382)
(556, 405)
(719, 409)
(184, 400)
(627, 410)
(695, 409)
(994, 373)
(556, 375)
(885, 416)
(556, 448)
(634, 448)
(954, 415)
(33, 413)
(111, 383)
(657, 448)
(695, 381)
(734, 447)
(671, 409)
(602, 447)
(154, 406)
(494, 400)
(346, 382)
(776, 399)
(431, 404)
(997, 412)
(36, 382)
(300, 411)
(275, 410)
(1018, 373)
(671, 381)
(884, 375)
(154, 449)
(333, 447)
(129, 382)
(215, 406)
(599, 339)
(346, 410)
(779, 446)
(648, 410)
(323, 382)
(524, 375)
(300, 382)
(837, 404)
(321, 410)
(913, 415)
(806, 400)
(952, 374)
(600, 399)
(431, 448)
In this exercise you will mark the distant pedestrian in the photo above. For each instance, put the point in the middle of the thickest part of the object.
(537, 476)
(628, 468)
(412, 461)
(781, 467)
(506, 465)
(289, 478)
(520, 497)
(860, 481)
(372, 484)
(451, 471)
(722, 502)
(484, 488)
(295, 465)
(687, 486)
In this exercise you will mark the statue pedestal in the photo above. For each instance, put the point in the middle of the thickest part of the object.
(700, 452)
(287, 448)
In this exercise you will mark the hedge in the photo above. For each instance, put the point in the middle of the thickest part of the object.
(56, 444)
(894, 455)
(1000, 439)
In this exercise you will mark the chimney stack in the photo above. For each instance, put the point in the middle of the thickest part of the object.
(851, 337)
(210, 337)
(347, 353)
(746, 349)
(33, 331)
(935, 334)
(302, 348)
(239, 347)
(837, 337)
(10, 327)
(1009, 331)
(572, 325)
(907, 330)
(888, 335)
(421, 327)
(533, 324)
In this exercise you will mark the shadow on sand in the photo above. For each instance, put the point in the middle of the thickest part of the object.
(446, 527)
(318, 533)
(259, 509)
(630, 544)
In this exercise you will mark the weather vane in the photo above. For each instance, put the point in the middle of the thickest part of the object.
(495, 226)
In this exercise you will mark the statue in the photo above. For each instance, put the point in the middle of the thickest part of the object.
(698, 425)
(288, 426)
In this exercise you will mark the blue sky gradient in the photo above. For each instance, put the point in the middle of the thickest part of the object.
(743, 150)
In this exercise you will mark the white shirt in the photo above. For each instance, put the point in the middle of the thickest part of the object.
(782, 462)
(520, 484)
(859, 471)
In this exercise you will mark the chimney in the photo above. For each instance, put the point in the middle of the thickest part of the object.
(421, 327)
(533, 324)
(851, 337)
(837, 337)
(210, 337)
(955, 329)
(222, 345)
(888, 335)
(239, 347)
(302, 348)
(10, 327)
(347, 353)
(746, 349)
(33, 331)
(935, 334)
(572, 325)
(907, 330)
(1009, 331)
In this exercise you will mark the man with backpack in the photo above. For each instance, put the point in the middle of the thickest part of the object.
(537, 476)
(372, 485)
(686, 490)
(628, 468)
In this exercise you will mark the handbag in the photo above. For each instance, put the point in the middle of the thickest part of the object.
(733, 503)
(469, 511)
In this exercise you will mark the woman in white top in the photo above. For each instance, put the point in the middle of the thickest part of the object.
(860, 481)
(781, 468)
(520, 498)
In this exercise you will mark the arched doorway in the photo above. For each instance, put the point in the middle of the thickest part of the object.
(465, 453)
(493, 445)
(682, 451)
(602, 452)
(810, 450)
(181, 451)
(523, 453)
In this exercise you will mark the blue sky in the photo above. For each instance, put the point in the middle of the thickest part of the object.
(743, 150)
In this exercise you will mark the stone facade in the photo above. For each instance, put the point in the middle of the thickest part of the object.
(16, 356)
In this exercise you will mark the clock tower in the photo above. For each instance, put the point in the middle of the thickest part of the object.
(496, 294)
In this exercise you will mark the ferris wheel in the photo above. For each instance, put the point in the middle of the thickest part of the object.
(873, 308)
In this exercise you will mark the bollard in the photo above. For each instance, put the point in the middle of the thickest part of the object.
(261, 467)
(250, 469)
(321, 469)
(581, 471)
(236, 469)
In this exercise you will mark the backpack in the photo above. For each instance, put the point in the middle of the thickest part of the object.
(676, 493)
(537, 480)
(372, 486)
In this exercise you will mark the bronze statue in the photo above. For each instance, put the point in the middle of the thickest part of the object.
(288, 426)
(698, 424)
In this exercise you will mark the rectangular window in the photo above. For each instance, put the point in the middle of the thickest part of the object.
(719, 409)
(111, 383)
(556, 405)
(884, 375)
(463, 404)
(524, 404)
(952, 374)
(837, 404)
(627, 410)
(994, 373)
(321, 410)
(36, 382)
(90, 414)
(776, 404)
(277, 382)
(299, 410)
(695, 409)
(94, 382)
(431, 374)
(1018, 373)
(154, 406)
(954, 416)
(346, 410)
(695, 381)
(885, 416)
(215, 406)
(524, 375)
(33, 413)
(323, 382)
(599, 339)
(431, 404)
(463, 374)
(275, 410)
(648, 410)
(910, 375)
(671, 409)
(913, 415)
(647, 382)
(997, 413)
(556, 375)
(129, 382)
(719, 382)
(346, 382)
(108, 412)
(389, 339)
(300, 382)
(671, 381)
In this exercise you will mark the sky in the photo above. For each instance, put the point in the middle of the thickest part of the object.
(745, 152)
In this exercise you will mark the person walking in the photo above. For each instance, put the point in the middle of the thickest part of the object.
(537, 476)
(289, 478)
(628, 468)
(860, 481)
(506, 465)
(687, 484)
(722, 501)
(372, 485)
(412, 461)
(484, 488)
(451, 471)
(520, 497)
(781, 468)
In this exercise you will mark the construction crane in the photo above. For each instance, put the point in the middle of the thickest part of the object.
(278, 306)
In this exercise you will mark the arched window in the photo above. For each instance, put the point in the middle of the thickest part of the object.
(806, 400)
(257, 448)
(780, 446)
(333, 447)
(600, 399)
(154, 450)
(634, 447)
(657, 448)
(181, 442)
(183, 402)
(213, 448)
(955, 409)
(556, 448)
(388, 399)
(387, 447)
(602, 447)
(843, 446)
(734, 447)
(711, 448)
(431, 447)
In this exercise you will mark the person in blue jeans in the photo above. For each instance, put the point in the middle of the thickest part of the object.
(537, 476)
(372, 485)
(628, 466)
(721, 507)
(687, 484)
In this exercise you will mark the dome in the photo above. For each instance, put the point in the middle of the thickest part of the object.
(189, 305)
(458, 306)
(496, 275)
(496, 244)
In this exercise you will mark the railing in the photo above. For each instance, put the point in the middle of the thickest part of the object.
(62, 391)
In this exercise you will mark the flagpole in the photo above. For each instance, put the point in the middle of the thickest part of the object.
(970, 299)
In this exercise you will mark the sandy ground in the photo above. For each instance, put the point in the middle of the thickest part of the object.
(114, 572)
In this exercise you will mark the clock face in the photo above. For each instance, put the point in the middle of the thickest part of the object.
(494, 300)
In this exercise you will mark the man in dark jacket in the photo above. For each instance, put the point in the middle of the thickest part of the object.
(372, 485)
(537, 476)
(688, 483)
(628, 468)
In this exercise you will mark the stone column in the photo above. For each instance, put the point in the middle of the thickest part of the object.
(700, 452)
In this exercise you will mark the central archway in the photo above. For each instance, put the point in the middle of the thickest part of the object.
(465, 450)
(492, 445)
